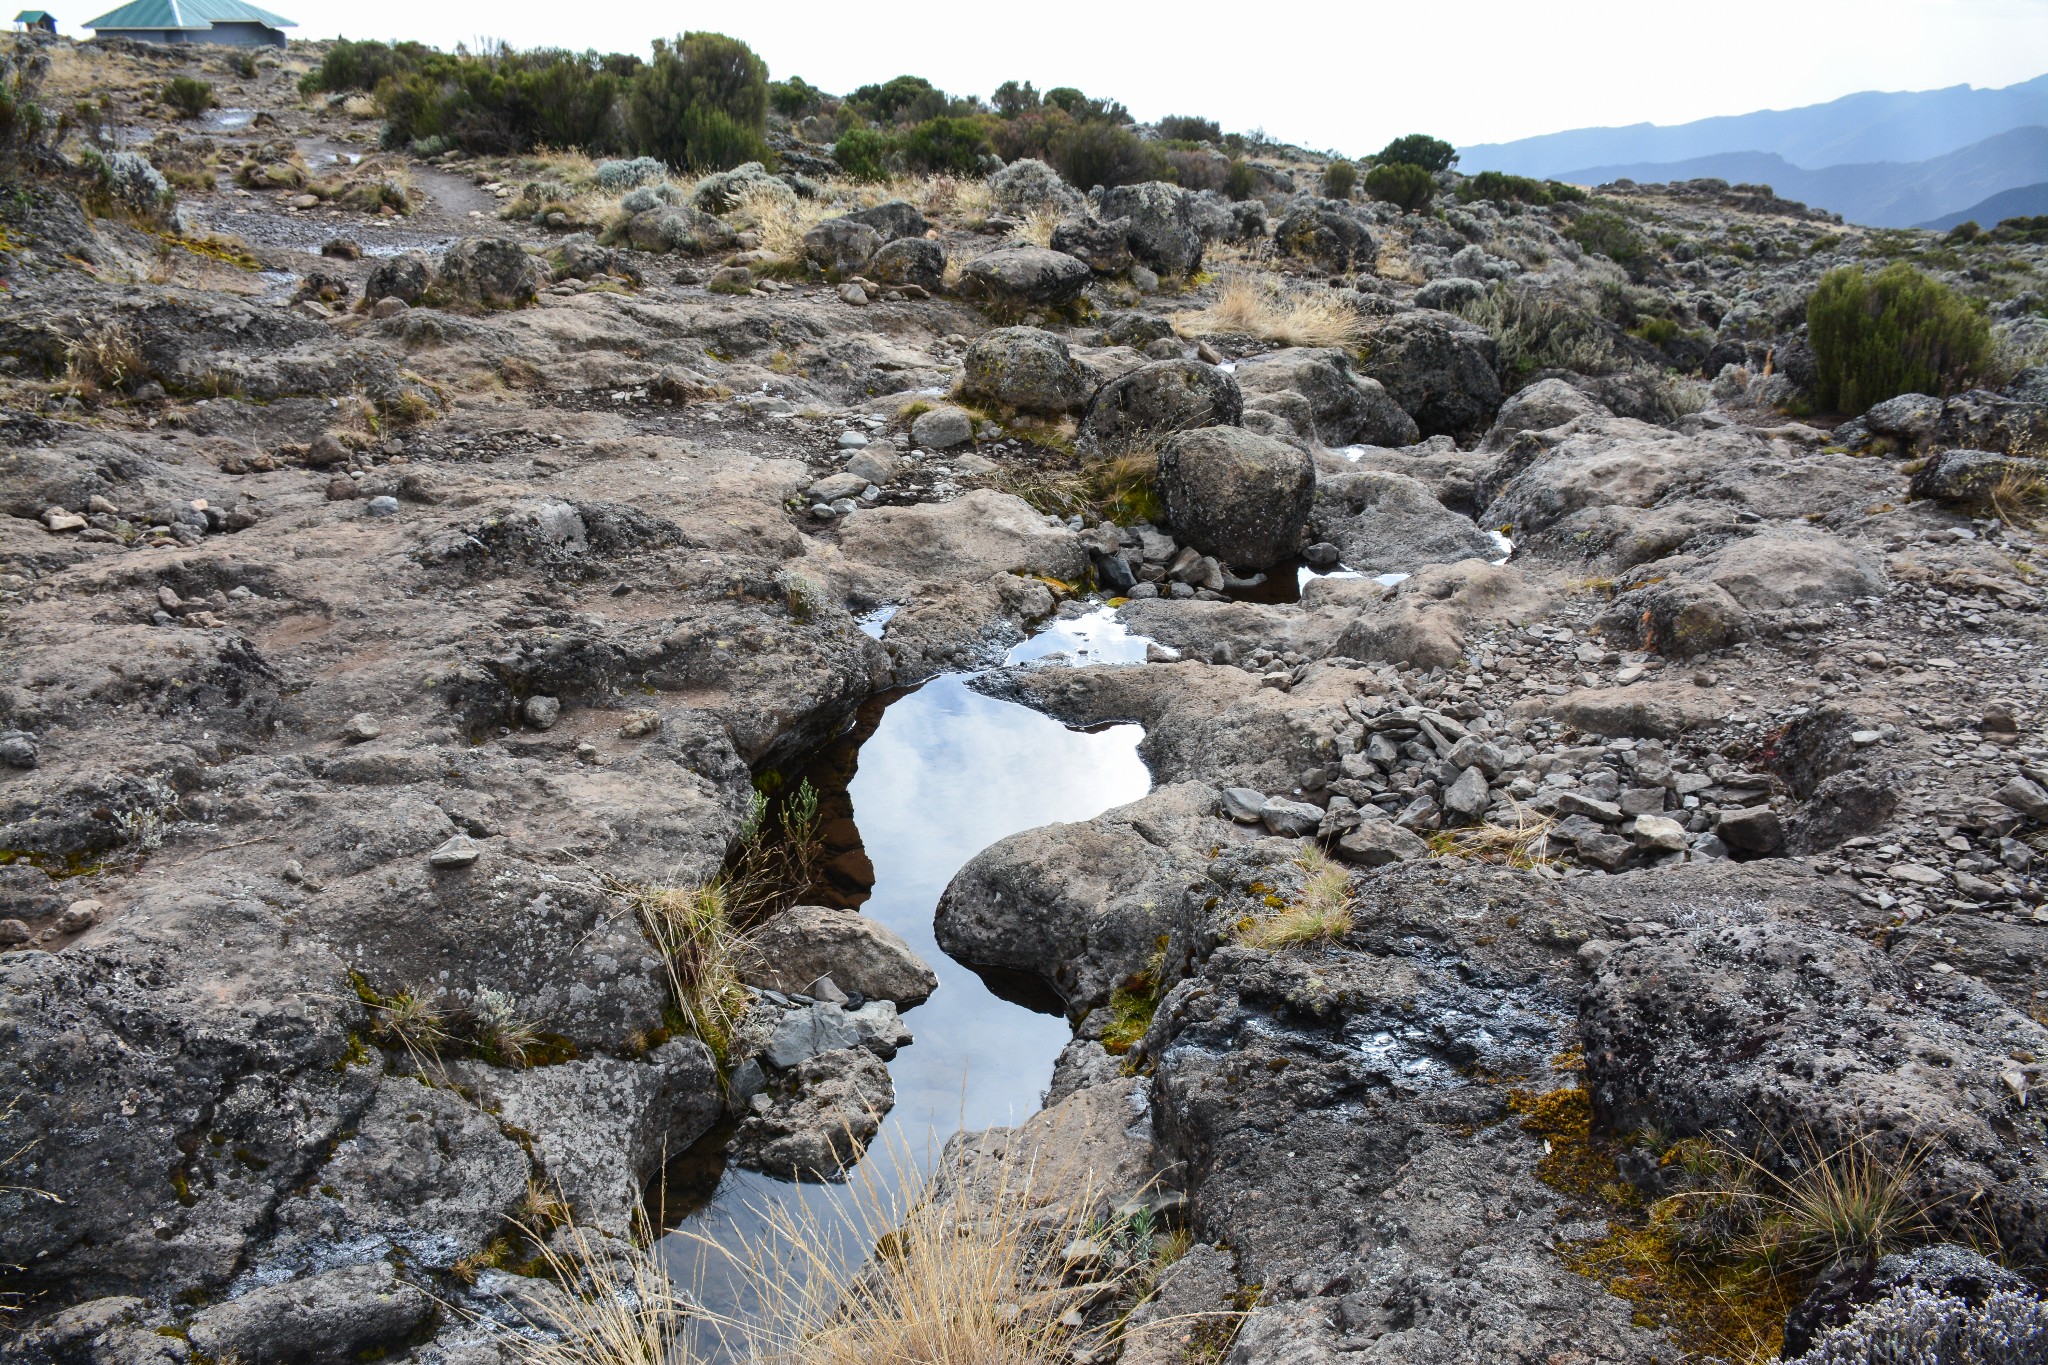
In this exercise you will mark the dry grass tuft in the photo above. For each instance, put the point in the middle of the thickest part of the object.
(1319, 912)
(1035, 229)
(692, 930)
(2018, 498)
(103, 356)
(779, 219)
(1524, 844)
(1254, 303)
(965, 1272)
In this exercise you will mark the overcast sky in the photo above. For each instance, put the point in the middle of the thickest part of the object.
(1346, 76)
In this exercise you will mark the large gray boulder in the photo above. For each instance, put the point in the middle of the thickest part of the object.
(1342, 407)
(858, 952)
(1162, 225)
(1082, 905)
(1543, 406)
(1157, 400)
(490, 272)
(1390, 523)
(1439, 368)
(1237, 495)
(1973, 477)
(1026, 369)
(1020, 277)
(895, 220)
(1105, 246)
(841, 246)
(1327, 233)
(910, 260)
(404, 277)
(1791, 1036)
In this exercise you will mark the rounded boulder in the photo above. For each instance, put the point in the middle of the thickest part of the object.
(1025, 368)
(1234, 494)
(1025, 277)
(910, 260)
(1157, 400)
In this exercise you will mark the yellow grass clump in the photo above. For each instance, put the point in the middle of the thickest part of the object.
(1253, 303)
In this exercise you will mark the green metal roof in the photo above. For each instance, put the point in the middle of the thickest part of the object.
(30, 16)
(186, 14)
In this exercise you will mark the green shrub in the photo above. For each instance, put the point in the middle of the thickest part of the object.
(795, 98)
(1340, 178)
(1502, 188)
(863, 154)
(1188, 128)
(365, 66)
(188, 95)
(1964, 232)
(1400, 182)
(1240, 182)
(943, 145)
(907, 99)
(1099, 152)
(1419, 149)
(1900, 331)
(1015, 97)
(2023, 229)
(1608, 234)
(701, 103)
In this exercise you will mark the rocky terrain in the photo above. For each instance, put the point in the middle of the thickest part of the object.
(1575, 774)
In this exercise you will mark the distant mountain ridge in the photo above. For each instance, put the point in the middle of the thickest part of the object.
(2025, 201)
(1873, 126)
(1877, 194)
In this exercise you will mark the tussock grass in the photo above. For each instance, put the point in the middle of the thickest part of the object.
(691, 927)
(700, 930)
(2018, 498)
(1524, 844)
(1319, 912)
(779, 219)
(1034, 229)
(1253, 303)
(967, 1271)
(1848, 1204)
(1122, 487)
(103, 356)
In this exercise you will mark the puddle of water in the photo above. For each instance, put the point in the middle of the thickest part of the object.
(873, 623)
(925, 780)
(227, 120)
(1096, 637)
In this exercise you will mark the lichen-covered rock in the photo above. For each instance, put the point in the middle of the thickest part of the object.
(1156, 400)
(1162, 231)
(1794, 1038)
(1439, 368)
(1021, 277)
(1342, 407)
(910, 260)
(1024, 368)
(1237, 495)
(491, 272)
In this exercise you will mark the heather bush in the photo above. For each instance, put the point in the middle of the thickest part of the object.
(1340, 178)
(1900, 331)
(188, 95)
(1418, 149)
(1401, 183)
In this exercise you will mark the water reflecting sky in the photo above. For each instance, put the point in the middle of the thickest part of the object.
(946, 773)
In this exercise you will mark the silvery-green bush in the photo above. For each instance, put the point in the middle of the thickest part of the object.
(129, 180)
(1914, 1327)
(624, 175)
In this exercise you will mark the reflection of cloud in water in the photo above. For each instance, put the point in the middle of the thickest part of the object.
(946, 773)
(1095, 637)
